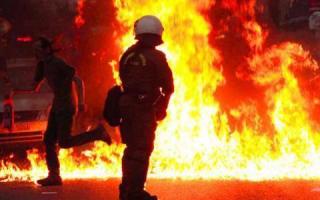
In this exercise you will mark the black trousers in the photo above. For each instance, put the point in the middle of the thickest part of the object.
(138, 133)
(59, 132)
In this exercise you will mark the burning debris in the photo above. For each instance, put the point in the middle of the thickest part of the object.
(245, 114)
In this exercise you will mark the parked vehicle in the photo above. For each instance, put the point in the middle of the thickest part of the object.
(27, 113)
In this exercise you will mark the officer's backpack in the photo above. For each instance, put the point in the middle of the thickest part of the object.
(111, 111)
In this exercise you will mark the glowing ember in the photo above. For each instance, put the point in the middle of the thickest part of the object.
(196, 141)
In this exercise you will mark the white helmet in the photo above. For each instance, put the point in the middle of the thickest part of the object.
(314, 21)
(148, 24)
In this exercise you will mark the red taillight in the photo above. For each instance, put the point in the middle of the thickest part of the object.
(24, 39)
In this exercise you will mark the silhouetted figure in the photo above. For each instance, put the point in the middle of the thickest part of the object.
(148, 84)
(60, 78)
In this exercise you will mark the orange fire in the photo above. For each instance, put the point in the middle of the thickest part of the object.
(246, 13)
(196, 140)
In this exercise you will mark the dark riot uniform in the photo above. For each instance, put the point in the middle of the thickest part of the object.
(143, 70)
(59, 76)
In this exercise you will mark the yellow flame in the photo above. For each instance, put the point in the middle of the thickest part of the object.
(195, 140)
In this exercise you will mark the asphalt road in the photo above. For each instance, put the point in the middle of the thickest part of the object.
(166, 190)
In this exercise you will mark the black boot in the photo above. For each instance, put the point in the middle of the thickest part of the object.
(51, 180)
(144, 195)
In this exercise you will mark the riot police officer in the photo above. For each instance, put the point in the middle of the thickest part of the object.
(147, 86)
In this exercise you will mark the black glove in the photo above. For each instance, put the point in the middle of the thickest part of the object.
(161, 108)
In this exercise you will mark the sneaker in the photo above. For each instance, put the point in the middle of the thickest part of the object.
(103, 134)
(50, 181)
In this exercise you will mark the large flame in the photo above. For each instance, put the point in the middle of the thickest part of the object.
(195, 140)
